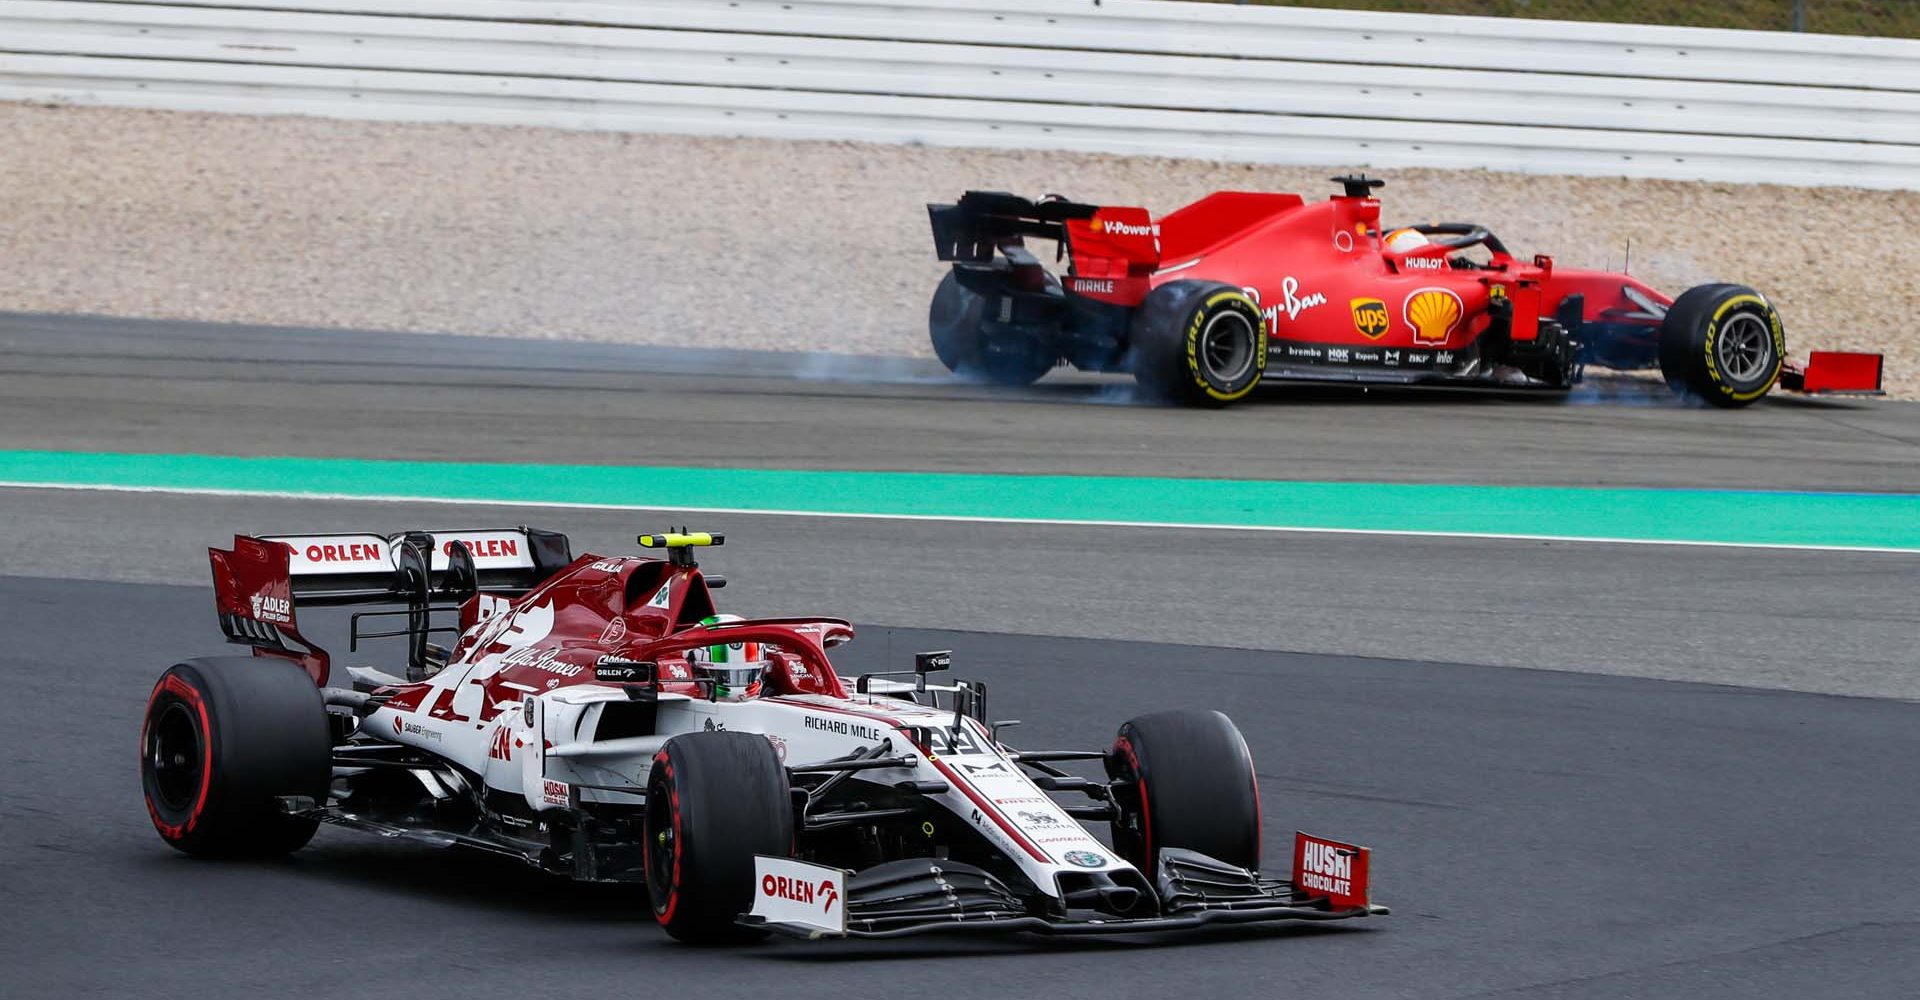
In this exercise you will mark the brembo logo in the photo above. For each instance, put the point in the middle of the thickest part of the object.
(799, 890)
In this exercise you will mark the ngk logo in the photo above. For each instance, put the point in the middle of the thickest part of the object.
(799, 890)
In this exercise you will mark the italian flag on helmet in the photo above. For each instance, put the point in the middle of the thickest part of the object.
(734, 667)
(737, 652)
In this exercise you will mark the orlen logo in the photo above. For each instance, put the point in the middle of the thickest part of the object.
(483, 548)
(799, 890)
(353, 552)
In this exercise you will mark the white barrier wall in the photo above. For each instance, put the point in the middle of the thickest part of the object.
(1264, 84)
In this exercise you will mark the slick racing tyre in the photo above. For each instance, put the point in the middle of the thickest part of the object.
(960, 341)
(1722, 344)
(1184, 779)
(1201, 343)
(714, 800)
(223, 739)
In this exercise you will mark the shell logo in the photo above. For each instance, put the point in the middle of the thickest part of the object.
(1096, 224)
(1434, 313)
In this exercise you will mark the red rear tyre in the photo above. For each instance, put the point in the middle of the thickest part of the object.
(224, 739)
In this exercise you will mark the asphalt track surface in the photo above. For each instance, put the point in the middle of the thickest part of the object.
(95, 384)
(1832, 622)
(1817, 621)
(1538, 834)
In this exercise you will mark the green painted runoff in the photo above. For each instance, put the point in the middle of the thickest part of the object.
(1842, 520)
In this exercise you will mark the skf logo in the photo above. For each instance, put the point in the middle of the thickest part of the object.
(800, 890)
(1434, 313)
(1370, 318)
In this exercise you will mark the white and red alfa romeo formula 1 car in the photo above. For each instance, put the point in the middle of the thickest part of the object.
(596, 718)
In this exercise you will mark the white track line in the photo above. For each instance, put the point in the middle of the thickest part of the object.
(955, 518)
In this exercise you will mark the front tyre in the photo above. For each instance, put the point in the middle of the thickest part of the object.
(1722, 344)
(1201, 343)
(224, 738)
(1184, 779)
(714, 800)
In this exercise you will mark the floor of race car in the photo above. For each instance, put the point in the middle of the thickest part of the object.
(1538, 834)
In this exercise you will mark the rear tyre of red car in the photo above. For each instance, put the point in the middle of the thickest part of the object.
(1184, 779)
(1200, 343)
(714, 800)
(1723, 345)
(955, 322)
(224, 738)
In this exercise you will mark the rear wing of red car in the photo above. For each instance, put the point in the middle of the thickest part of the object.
(971, 229)
(259, 582)
(1114, 248)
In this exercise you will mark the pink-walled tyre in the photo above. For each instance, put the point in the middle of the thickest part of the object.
(1184, 779)
(714, 800)
(223, 740)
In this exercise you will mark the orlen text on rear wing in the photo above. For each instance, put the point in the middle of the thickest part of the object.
(367, 568)
(259, 582)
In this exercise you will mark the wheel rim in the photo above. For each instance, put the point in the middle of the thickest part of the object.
(1226, 347)
(1745, 348)
(174, 757)
(661, 847)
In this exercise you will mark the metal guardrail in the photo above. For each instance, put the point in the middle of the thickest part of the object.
(1266, 84)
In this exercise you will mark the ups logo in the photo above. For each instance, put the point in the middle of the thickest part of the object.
(1370, 317)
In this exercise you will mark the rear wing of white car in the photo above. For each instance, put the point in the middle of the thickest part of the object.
(259, 582)
(453, 565)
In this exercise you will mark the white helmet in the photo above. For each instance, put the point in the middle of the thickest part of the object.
(735, 668)
(1404, 240)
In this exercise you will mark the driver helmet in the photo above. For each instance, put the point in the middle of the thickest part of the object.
(1405, 240)
(735, 668)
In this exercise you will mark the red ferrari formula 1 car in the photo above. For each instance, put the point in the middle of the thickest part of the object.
(1203, 304)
